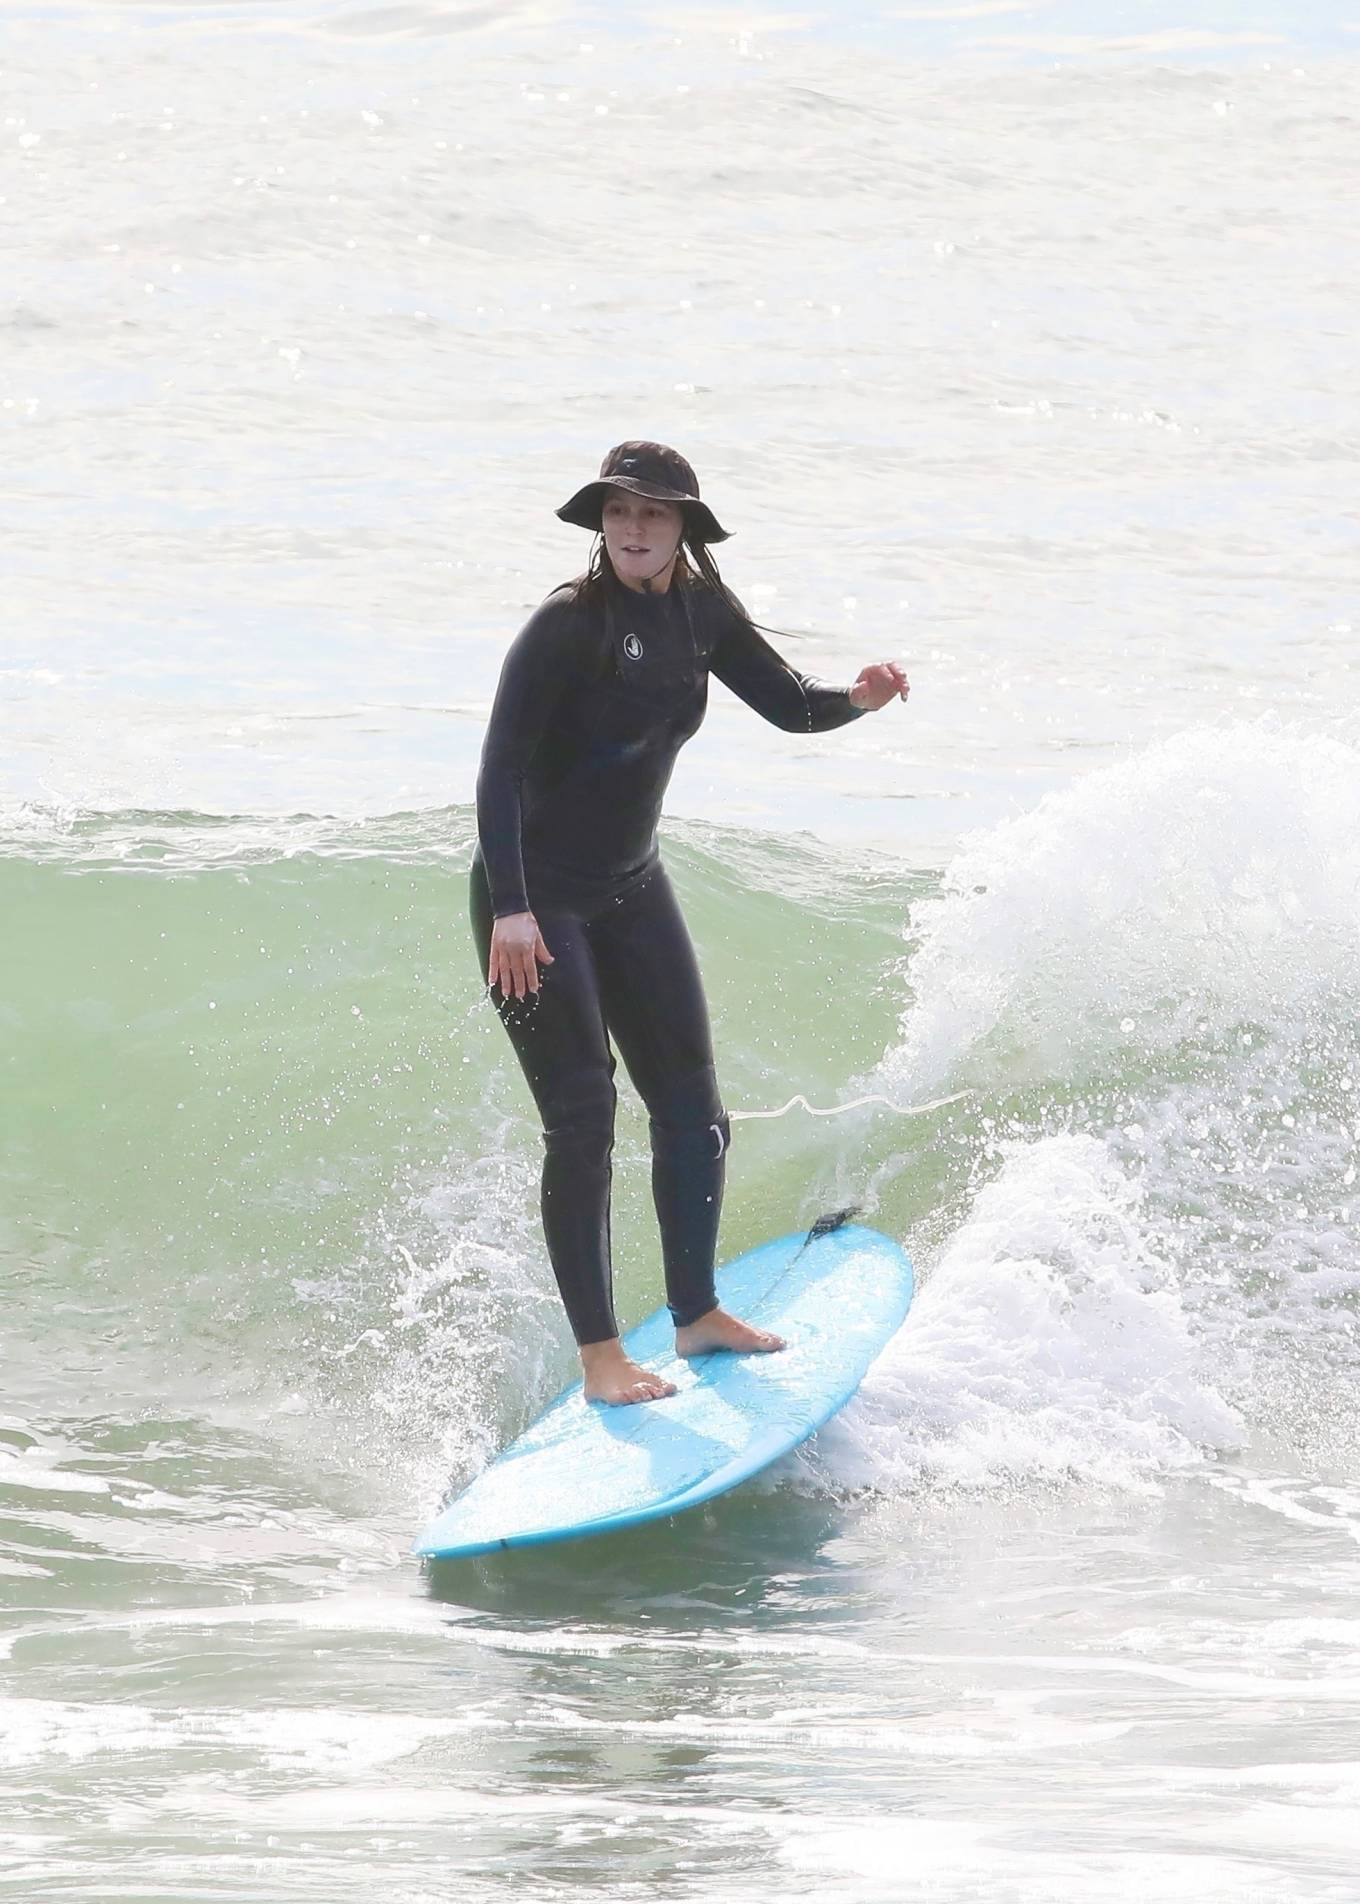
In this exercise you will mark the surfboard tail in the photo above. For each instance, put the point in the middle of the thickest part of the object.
(830, 1221)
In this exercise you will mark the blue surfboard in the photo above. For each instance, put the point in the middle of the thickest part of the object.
(836, 1293)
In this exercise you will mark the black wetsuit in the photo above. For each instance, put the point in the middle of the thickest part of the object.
(595, 702)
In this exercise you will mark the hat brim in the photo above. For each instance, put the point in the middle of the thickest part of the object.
(585, 508)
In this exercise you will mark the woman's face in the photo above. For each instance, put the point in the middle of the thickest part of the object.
(641, 536)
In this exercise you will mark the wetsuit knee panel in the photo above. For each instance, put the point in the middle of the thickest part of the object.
(578, 1118)
(693, 1141)
(688, 1101)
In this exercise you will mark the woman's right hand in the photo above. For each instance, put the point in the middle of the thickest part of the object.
(517, 951)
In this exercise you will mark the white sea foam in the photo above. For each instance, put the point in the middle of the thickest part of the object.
(33, 1730)
(1048, 1342)
(1153, 977)
(1209, 883)
(454, 1322)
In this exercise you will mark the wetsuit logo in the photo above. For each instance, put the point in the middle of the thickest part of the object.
(632, 647)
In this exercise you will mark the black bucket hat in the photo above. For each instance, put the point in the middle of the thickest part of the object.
(647, 469)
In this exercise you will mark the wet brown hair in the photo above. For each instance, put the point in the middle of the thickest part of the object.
(694, 562)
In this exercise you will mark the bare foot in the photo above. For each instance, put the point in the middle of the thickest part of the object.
(610, 1376)
(718, 1330)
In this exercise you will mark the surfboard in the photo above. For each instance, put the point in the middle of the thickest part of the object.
(837, 1293)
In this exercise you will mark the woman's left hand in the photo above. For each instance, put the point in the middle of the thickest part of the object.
(877, 684)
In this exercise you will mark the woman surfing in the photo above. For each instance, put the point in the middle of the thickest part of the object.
(577, 926)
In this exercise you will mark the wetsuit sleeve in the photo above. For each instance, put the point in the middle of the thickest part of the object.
(534, 677)
(745, 662)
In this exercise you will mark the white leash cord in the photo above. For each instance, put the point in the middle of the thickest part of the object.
(837, 1110)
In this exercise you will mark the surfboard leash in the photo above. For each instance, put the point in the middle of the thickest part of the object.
(832, 1220)
(838, 1110)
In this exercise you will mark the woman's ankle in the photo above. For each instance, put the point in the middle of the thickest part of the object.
(599, 1354)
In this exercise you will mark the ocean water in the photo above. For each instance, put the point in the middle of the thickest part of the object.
(1015, 341)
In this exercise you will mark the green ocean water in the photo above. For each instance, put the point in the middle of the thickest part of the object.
(250, 1056)
(275, 1282)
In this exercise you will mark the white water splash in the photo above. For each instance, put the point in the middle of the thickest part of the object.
(1164, 957)
(1211, 882)
(1047, 1344)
